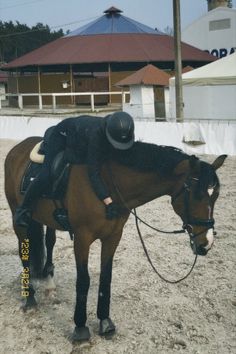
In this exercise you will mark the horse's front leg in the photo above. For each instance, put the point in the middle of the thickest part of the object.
(50, 240)
(81, 249)
(109, 245)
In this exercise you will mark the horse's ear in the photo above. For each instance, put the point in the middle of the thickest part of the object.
(219, 162)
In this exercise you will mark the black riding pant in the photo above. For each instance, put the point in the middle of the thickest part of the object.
(53, 145)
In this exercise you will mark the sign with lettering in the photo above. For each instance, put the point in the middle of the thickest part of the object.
(222, 52)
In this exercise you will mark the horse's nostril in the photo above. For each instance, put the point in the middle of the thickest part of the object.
(201, 251)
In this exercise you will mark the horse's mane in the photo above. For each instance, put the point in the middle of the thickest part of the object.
(145, 157)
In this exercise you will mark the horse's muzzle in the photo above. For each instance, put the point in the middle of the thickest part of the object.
(199, 250)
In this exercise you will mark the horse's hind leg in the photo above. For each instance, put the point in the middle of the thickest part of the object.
(27, 289)
(31, 252)
(48, 271)
(109, 246)
(37, 248)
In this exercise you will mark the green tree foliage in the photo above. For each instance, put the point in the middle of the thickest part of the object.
(17, 39)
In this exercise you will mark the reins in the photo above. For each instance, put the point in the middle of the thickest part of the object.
(150, 261)
(137, 218)
(182, 231)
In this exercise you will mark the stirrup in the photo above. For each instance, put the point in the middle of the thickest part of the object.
(61, 216)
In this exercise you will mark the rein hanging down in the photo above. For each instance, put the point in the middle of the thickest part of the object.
(150, 261)
(153, 228)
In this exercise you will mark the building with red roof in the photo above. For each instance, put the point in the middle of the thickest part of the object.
(96, 56)
(148, 75)
(147, 92)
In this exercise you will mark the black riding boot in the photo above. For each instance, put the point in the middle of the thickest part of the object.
(23, 213)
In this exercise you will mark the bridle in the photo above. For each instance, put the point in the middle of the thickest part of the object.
(188, 220)
(188, 223)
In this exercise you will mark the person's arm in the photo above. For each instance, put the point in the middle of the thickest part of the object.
(95, 160)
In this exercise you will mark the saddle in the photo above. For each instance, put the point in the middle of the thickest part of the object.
(60, 171)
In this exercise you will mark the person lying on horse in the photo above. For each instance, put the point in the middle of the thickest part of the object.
(91, 139)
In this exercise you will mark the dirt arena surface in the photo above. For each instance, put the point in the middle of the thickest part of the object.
(197, 316)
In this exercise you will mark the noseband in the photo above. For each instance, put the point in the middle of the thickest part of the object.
(189, 221)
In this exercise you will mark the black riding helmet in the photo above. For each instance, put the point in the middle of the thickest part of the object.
(120, 130)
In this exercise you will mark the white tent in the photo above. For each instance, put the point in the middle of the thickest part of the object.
(209, 92)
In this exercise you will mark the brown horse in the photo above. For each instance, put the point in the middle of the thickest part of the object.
(143, 173)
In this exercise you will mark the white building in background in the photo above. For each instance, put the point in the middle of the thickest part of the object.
(147, 93)
(3, 88)
(209, 92)
(214, 32)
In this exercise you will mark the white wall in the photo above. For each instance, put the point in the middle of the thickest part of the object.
(221, 41)
(141, 103)
(148, 101)
(134, 107)
(210, 102)
(20, 128)
(220, 138)
(135, 95)
(2, 91)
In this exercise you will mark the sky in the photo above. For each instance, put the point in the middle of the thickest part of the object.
(72, 14)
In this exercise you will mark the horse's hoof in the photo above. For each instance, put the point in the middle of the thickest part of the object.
(50, 293)
(50, 287)
(80, 334)
(30, 304)
(107, 328)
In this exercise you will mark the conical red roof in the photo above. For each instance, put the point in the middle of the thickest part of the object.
(112, 38)
(148, 75)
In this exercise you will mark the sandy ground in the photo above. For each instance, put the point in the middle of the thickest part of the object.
(195, 316)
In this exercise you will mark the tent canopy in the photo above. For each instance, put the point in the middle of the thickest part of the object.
(220, 72)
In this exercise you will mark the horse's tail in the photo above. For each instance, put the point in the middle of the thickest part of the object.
(37, 248)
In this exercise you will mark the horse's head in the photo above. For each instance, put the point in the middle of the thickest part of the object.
(193, 199)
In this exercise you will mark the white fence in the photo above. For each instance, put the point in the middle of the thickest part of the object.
(218, 137)
(20, 97)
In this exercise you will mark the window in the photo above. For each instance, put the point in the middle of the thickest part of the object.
(219, 24)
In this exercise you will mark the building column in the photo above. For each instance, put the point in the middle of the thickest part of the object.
(109, 81)
(72, 88)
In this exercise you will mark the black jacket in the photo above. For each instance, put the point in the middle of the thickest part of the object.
(86, 137)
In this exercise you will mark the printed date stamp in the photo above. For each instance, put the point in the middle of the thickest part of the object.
(25, 272)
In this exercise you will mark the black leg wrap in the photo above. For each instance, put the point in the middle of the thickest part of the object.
(104, 294)
(82, 286)
(80, 316)
(103, 310)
